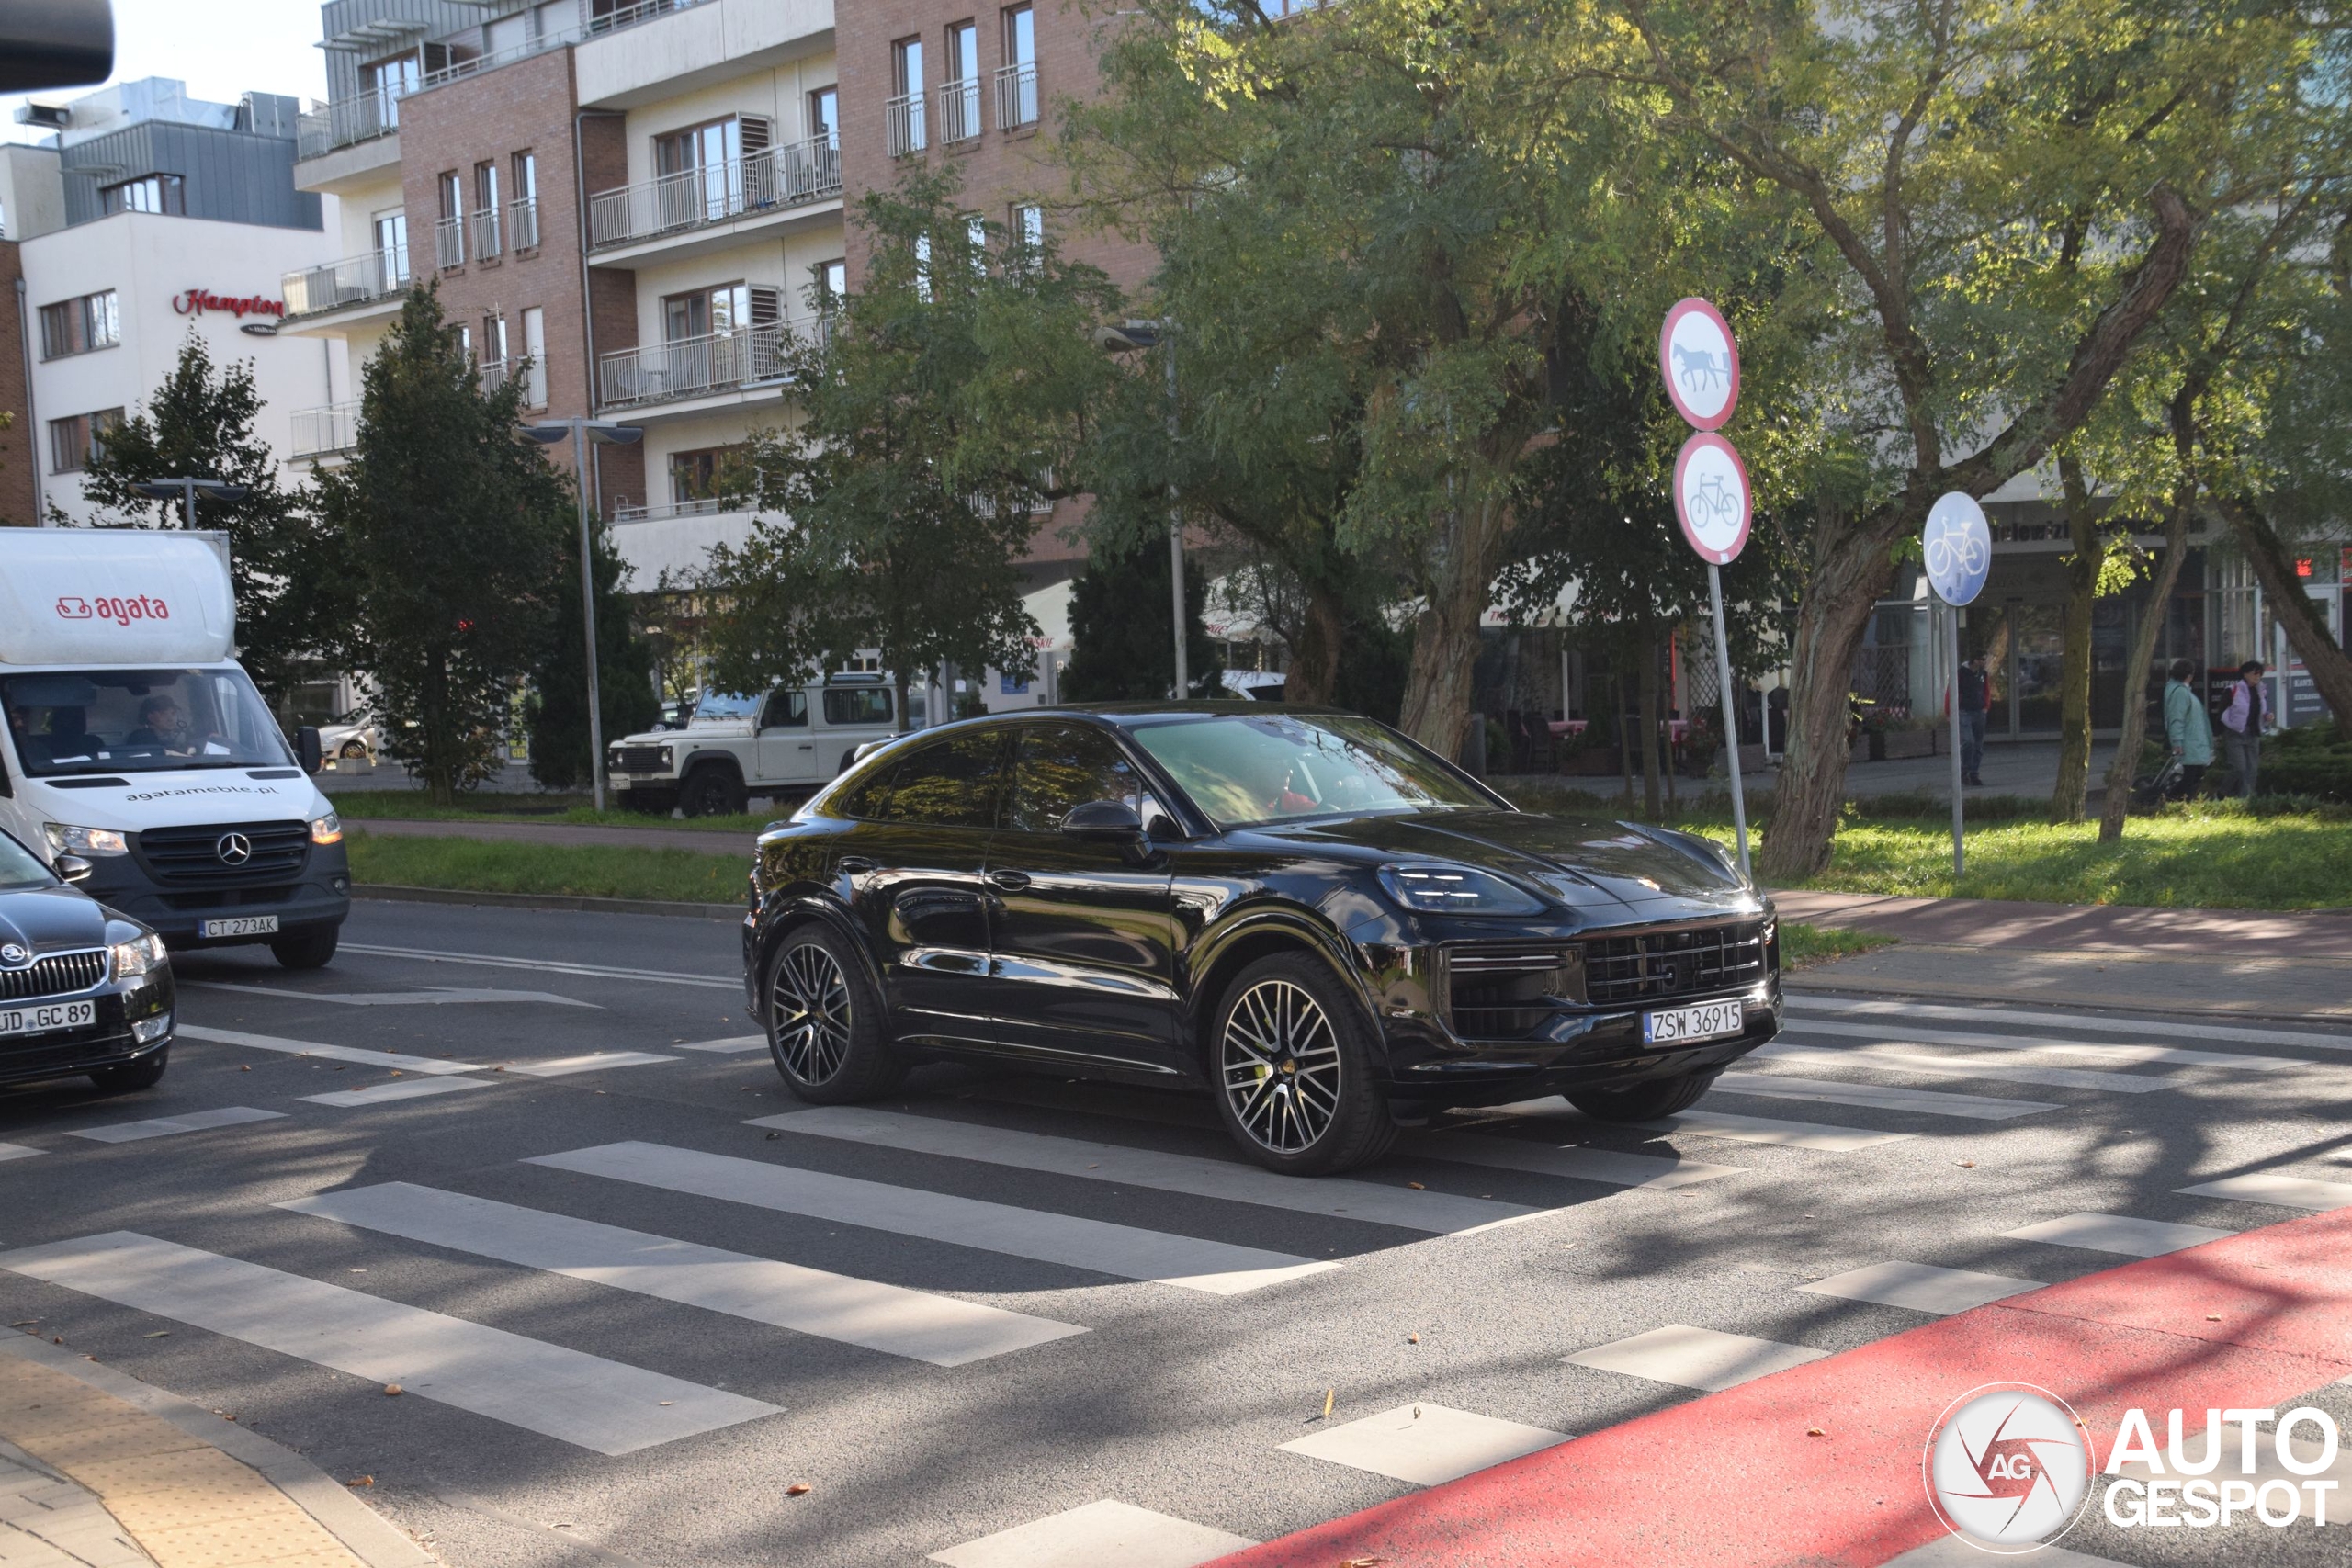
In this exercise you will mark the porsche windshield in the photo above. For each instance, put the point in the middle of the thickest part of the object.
(139, 721)
(1246, 769)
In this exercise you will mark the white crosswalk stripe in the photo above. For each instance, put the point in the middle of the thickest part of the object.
(1695, 1358)
(2286, 1192)
(1438, 1213)
(594, 1062)
(403, 1089)
(2094, 1023)
(2120, 1234)
(1720, 1125)
(325, 1052)
(2129, 1056)
(548, 965)
(1553, 1159)
(1097, 1534)
(1424, 1445)
(1877, 1096)
(938, 1329)
(1922, 1287)
(17, 1151)
(609, 1407)
(165, 1127)
(1096, 1245)
(729, 1046)
(1994, 1065)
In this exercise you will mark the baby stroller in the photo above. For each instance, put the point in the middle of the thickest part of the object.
(2150, 791)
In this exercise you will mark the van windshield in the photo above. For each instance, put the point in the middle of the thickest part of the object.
(145, 721)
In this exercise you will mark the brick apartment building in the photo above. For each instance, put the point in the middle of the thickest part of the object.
(638, 198)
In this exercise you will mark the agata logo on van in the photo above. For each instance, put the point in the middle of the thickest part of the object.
(120, 611)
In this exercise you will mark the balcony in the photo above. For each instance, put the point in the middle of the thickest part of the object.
(449, 243)
(346, 122)
(484, 227)
(1016, 96)
(321, 432)
(495, 372)
(354, 280)
(959, 111)
(605, 18)
(776, 180)
(523, 222)
(908, 133)
(699, 366)
(663, 512)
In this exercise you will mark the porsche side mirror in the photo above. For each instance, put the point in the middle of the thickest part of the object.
(73, 868)
(1103, 821)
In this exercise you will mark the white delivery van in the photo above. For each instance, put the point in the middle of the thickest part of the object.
(134, 741)
(785, 740)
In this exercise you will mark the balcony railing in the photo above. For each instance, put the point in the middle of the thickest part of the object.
(333, 428)
(354, 280)
(605, 20)
(449, 243)
(790, 176)
(690, 367)
(494, 373)
(523, 222)
(959, 111)
(908, 132)
(1016, 96)
(486, 236)
(656, 512)
(346, 122)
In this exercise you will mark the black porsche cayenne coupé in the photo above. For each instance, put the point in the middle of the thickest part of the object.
(1332, 930)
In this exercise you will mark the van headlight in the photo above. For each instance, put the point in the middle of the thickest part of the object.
(1456, 889)
(137, 957)
(65, 841)
(327, 829)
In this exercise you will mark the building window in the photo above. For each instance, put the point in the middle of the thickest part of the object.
(488, 240)
(392, 78)
(1029, 226)
(704, 475)
(449, 234)
(493, 340)
(535, 345)
(923, 268)
(976, 242)
(706, 310)
(825, 117)
(73, 441)
(154, 193)
(909, 131)
(78, 326)
(832, 282)
(524, 230)
(959, 96)
(390, 226)
(1016, 79)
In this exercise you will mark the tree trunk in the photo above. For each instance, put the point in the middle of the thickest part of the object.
(1315, 661)
(1649, 723)
(899, 692)
(2075, 663)
(2298, 612)
(2121, 772)
(1846, 582)
(1436, 709)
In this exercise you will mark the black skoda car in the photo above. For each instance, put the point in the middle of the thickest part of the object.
(1330, 928)
(82, 988)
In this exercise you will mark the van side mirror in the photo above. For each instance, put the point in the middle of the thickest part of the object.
(307, 749)
(73, 868)
(1103, 821)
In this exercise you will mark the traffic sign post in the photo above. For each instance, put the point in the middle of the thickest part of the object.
(1700, 363)
(1956, 546)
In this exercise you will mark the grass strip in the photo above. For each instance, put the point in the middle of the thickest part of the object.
(487, 806)
(477, 866)
(1801, 945)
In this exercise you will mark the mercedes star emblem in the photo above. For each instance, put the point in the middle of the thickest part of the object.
(234, 849)
(14, 953)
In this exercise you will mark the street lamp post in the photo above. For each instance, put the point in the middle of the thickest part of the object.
(581, 432)
(1129, 338)
(186, 490)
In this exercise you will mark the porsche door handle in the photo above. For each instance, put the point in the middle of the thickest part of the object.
(1009, 881)
(853, 865)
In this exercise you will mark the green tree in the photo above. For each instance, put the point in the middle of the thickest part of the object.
(944, 403)
(1119, 612)
(457, 535)
(287, 575)
(557, 709)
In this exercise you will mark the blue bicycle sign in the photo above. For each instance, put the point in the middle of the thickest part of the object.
(1957, 548)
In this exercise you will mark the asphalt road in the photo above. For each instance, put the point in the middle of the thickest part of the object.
(627, 1316)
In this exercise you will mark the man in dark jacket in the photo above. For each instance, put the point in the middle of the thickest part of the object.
(1975, 701)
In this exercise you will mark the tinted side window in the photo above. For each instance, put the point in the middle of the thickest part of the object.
(1064, 765)
(869, 800)
(785, 710)
(953, 782)
(857, 705)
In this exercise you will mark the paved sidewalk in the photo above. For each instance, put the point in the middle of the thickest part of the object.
(2003, 923)
(100, 1470)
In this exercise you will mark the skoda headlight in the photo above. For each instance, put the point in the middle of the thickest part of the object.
(65, 841)
(1456, 889)
(327, 829)
(132, 959)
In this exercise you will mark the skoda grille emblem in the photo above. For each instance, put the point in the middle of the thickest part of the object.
(234, 849)
(16, 954)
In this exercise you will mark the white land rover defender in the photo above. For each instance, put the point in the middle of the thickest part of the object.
(787, 740)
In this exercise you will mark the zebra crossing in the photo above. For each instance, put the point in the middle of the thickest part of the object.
(1838, 1053)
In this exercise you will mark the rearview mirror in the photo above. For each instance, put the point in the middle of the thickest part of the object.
(73, 868)
(307, 749)
(1103, 821)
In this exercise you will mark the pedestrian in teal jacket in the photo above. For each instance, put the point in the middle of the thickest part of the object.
(2188, 729)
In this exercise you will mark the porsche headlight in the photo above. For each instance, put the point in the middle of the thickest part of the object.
(132, 959)
(1456, 889)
